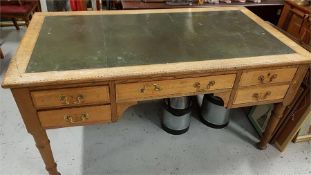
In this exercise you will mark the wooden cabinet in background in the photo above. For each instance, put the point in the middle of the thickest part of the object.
(295, 20)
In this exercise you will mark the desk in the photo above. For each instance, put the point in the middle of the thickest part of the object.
(81, 68)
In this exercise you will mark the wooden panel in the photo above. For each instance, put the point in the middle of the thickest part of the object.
(259, 94)
(165, 88)
(267, 76)
(75, 116)
(70, 97)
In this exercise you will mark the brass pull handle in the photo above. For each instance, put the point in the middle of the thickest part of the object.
(261, 78)
(157, 87)
(71, 119)
(272, 77)
(64, 100)
(197, 85)
(142, 90)
(260, 96)
(211, 83)
(79, 99)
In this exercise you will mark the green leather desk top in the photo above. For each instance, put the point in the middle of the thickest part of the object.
(100, 41)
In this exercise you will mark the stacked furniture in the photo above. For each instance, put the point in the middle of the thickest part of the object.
(295, 20)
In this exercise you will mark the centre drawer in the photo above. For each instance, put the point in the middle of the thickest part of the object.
(70, 97)
(75, 116)
(166, 88)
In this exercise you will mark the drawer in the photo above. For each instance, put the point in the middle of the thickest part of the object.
(75, 116)
(258, 94)
(70, 96)
(257, 77)
(166, 88)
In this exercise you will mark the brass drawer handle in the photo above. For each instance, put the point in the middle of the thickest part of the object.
(81, 118)
(261, 78)
(197, 85)
(79, 99)
(67, 99)
(210, 84)
(260, 96)
(272, 77)
(142, 90)
(64, 100)
(157, 87)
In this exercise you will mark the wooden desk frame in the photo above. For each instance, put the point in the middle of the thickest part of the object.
(23, 84)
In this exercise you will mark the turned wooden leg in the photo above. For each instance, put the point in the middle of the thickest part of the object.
(279, 108)
(29, 115)
(43, 145)
(277, 114)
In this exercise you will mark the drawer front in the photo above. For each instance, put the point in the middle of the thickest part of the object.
(165, 88)
(258, 94)
(75, 116)
(267, 76)
(70, 96)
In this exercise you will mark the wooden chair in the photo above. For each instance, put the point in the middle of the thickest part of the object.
(18, 9)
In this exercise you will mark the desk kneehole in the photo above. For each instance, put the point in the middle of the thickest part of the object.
(70, 97)
(177, 87)
(75, 116)
(260, 94)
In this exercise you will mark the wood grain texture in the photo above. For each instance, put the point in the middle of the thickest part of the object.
(112, 89)
(166, 88)
(70, 97)
(267, 76)
(234, 88)
(33, 126)
(16, 76)
(258, 94)
(75, 116)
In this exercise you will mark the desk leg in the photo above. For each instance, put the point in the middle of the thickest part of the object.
(273, 122)
(279, 109)
(33, 126)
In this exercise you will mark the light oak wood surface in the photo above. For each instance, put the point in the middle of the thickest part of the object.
(70, 97)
